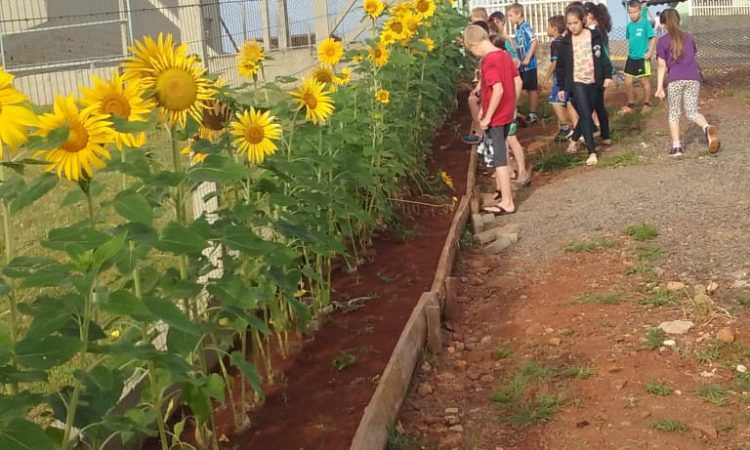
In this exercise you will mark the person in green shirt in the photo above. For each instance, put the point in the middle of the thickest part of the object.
(641, 46)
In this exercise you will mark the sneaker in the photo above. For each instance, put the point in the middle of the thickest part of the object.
(572, 147)
(471, 139)
(564, 134)
(646, 107)
(533, 118)
(606, 142)
(592, 160)
(597, 131)
(675, 152)
(712, 136)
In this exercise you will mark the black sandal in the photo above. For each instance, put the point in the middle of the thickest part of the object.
(497, 210)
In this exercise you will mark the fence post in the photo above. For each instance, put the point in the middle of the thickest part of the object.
(191, 28)
(2, 31)
(282, 19)
(320, 18)
(265, 24)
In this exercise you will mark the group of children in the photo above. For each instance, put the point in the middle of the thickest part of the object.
(580, 70)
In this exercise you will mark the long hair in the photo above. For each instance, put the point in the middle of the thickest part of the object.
(603, 17)
(670, 19)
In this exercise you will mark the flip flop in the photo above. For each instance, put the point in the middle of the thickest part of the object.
(496, 211)
(526, 183)
(498, 195)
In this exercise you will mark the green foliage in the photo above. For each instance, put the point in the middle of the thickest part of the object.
(709, 354)
(624, 159)
(599, 298)
(712, 393)
(654, 338)
(402, 441)
(658, 388)
(581, 372)
(343, 360)
(743, 300)
(548, 162)
(519, 403)
(659, 298)
(502, 352)
(669, 425)
(642, 231)
(590, 245)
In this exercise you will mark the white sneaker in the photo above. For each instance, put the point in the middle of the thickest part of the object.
(572, 147)
(592, 160)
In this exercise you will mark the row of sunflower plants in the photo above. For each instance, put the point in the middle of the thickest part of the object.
(190, 307)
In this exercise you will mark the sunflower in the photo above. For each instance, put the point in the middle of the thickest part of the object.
(323, 74)
(254, 133)
(248, 69)
(195, 158)
(330, 51)
(345, 78)
(424, 8)
(388, 37)
(316, 100)
(402, 7)
(140, 65)
(15, 116)
(411, 23)
(383, 96)
(84, 148)
(429, 43)
(379, 55)
(178, 81)
(395, 25)
(447, 180)
(373, 8)
(125, 101)
(252, 51)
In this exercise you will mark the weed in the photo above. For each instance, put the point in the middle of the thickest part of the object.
(578, 402)
(599, 298)
(658, 388)
(502, 352)
(743, 300)
(669, 425)
(627, 158)
(589, 245)
(642, 232)
(578, 372)
(548, 162)
(541, 411)
(519, 407)
(709, 354)
(654, 338)
(343, 360)
(712, 393)
(743, 382)
(466, 240)
(402, 441)
(568, 332)
(384, 278)
(632, 402)
(726, 427)
(647, 252)
(658, 298)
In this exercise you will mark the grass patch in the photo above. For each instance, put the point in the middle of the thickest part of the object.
(548, 162)
(642, 232)
(402, 441)
(658, 298)
(708, 355)
(581, 373)
(542, 410)
(519, 402)
(712, 393)
(658, 388)
(669, 425)
(624, 159)
(599, 298)
(589, 245)
(743, 300)
(654, 338)
(502, 352)
(343, 360)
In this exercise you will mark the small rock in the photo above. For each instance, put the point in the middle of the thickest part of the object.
(741, 368)
(625, 423)
(645, 414)
(699, 289)
(725, 335)
(706, 374)
(659, 271)
(670, 343)
(426, 366)
(676, 326)
(549, 330)
(487, 379)
(451, 349)
(446, 376)
(430, 420)
(459, 346)
(473, 375)
(712, 287)
(674, 286)
(709, 430)
(582, 423)
(451, 420)
(457, 428)
(425, 389)
(486, 340)
(739, 284)
(449, 411)
(460, 364)
(619, 384)
(555, 341)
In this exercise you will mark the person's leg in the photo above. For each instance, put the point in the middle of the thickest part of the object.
(533, 101)
(572, 113)
(502, 171)
(691, 95)
(583, 103)
(674, 97)
(475, 132)
(600, 111)
(517, 149)
(646, 82)
(629, 91)
(531, 85)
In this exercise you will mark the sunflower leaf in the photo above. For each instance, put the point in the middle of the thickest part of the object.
(217, 168)
(55, 138)
(21, 434)
(47, 352)
(128, 126)
(181, 240)
(33, 192)
(134, 207)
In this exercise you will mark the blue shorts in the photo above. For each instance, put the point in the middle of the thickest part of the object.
(553, 96)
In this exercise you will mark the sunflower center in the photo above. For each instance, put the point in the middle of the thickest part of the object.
(176, 89)
(78, 138)
(310, 100)
(116, 105)
(397, 28)
(254, 134)
(422, 6)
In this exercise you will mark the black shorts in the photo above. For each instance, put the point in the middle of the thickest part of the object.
(530, 82)
(498, 134)
(637, 68)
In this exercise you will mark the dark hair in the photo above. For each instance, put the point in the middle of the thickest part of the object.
(498, 15)
(600, 13)
(634, 4)
(482, 24)
(558, 23)
(579, 4)
(670, 18)
(576, 11)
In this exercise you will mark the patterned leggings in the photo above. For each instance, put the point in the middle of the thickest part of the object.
(689, 90)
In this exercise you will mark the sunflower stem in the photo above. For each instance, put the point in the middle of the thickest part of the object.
(179, 208)
(90, 204)
(8, 241)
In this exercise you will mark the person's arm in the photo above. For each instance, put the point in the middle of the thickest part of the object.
(532, 50)
(661, 72)
(518, 83)
(651, 47)
(497, 94)
(550, 70)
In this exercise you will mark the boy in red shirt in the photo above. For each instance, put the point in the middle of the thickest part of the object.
(499, 81)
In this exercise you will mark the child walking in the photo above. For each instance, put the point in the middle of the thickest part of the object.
(561, 106)
(584, 70)
(498, 97)
(675, 54)
(526, 44)
(641, 43)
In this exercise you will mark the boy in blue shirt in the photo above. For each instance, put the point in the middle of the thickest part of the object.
(526, 44)
(641, 45)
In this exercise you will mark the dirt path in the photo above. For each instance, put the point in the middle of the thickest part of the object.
(556, 343)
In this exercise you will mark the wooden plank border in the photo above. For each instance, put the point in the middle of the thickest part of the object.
(423, 327)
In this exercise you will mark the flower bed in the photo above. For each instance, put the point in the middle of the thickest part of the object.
(305, 172)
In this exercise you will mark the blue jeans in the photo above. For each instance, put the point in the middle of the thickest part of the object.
(586, 99)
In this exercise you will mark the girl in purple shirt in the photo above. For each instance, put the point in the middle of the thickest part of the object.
(676, 52)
